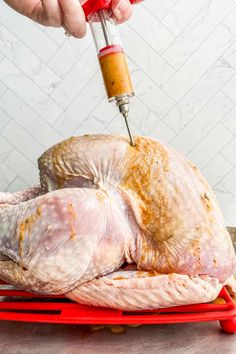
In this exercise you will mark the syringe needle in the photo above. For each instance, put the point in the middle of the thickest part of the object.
(125, 115)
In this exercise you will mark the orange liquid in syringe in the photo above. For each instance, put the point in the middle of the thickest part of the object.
(115, 72)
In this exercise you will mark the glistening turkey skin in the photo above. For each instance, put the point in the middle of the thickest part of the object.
(145, 204)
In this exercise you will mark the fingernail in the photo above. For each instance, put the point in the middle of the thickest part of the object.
(122, 7)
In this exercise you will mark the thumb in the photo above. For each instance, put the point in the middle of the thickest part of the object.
(122, 10)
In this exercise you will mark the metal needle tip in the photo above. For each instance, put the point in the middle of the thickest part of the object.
(128, 129)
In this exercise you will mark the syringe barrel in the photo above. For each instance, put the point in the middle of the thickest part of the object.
(111, 56)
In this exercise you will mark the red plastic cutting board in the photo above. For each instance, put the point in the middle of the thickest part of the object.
(19, 305)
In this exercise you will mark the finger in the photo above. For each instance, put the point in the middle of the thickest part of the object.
(51, 14)
(122, 10)
(73, 17)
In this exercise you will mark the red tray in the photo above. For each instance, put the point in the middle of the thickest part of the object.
(19, 305)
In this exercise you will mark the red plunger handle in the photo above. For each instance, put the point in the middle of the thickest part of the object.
(91, 6)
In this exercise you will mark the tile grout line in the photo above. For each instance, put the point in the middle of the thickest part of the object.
(195, 50)
(86, 50)
(29, 48)
(14, 172)
(177, 35)
(194, 85)
(222, 177)
(36, 55)
(204, 166)
(184, 28)
(74, 98)
(6, 189)
(68, 72)
(213, 127)
(77, 127)
(227, 190)
(232, 166)
(9, 153)
(204, 106)
(26, 131)
(8, 116)
(20, 152)
(149, 45)
(227, 95)
(15, 148)
(147, 8)
(151, 79)
(221, 22)
(36, 84)
(26, 104)
(225, 157)
(55, 53)
(69, 41)
(155, 113)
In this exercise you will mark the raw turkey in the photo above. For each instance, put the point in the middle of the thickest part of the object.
(116, 226)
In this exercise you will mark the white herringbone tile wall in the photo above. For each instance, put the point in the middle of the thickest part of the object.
(182, 55)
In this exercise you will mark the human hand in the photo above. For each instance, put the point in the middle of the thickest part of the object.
(66, 13)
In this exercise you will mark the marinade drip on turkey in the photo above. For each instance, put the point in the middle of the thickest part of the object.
(102, 204)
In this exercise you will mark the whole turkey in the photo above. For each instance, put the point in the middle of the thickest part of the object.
(116, 226)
